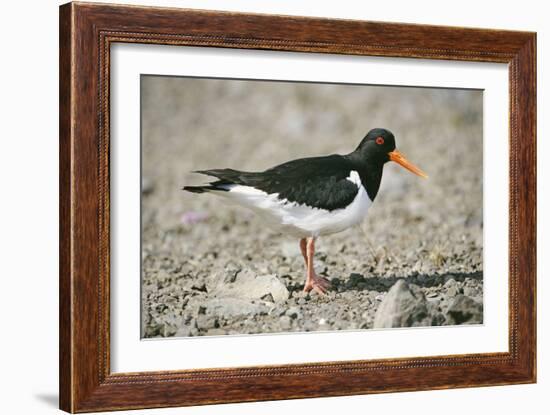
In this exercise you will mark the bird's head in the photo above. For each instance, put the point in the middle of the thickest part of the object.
(379, 146)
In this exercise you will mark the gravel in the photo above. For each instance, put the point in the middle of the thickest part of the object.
(209, 268)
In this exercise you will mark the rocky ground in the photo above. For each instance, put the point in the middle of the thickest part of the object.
(211, 269)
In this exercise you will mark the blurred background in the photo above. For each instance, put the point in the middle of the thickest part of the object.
(426, 231)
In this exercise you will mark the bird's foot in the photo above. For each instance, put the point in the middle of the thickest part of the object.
(318, 284)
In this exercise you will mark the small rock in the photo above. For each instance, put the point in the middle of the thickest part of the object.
(285, 322)
(163, 276)
(450, 283)
(470, 282)
(452, 288)
(471, 291)
(231, 275)
(184, 331)
(293, 312)
(464, 310)
(438, 319)
(205, 322)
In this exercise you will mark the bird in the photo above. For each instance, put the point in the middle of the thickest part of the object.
(314, 196)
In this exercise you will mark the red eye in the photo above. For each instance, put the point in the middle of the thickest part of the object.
(379, 140)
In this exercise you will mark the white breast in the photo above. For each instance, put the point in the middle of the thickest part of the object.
(297, 219)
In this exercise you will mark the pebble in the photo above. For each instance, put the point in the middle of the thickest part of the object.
(285, 322)
(470, 291)
(293, 312)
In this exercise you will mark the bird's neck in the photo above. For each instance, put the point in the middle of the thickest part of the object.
(370, 171)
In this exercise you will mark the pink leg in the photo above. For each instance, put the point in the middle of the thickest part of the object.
(303, 248)
(313, 282)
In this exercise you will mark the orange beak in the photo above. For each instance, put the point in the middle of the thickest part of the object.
(400, 159)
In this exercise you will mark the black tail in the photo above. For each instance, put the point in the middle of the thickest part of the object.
(226, 177)
(205, 188)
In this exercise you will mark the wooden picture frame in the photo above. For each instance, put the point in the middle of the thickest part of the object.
(86, 33)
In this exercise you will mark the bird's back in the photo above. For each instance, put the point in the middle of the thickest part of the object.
(318, 182)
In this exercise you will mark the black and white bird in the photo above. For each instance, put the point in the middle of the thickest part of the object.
(314, 196)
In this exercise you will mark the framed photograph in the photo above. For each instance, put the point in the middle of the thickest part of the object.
(259, 207)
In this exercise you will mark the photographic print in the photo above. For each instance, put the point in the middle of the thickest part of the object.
(307, 193)
(279, 206)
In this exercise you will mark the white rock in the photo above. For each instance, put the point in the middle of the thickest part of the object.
(249, 286)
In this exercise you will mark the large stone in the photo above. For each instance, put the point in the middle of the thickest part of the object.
(403, 306)
(249, 286)
(464, 310)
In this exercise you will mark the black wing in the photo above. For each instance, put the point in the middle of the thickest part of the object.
(319, 182)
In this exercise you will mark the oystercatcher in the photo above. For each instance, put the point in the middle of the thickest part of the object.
(315, 196)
